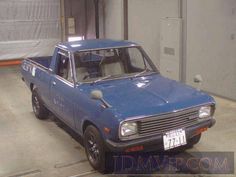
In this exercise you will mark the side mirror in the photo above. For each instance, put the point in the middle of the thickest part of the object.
(198, 79)
(97, 95)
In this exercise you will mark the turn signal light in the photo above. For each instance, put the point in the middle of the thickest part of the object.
(134, 149)
(106, 130)
(200, 130)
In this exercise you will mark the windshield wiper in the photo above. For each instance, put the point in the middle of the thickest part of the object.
(101, 79)
(144, 71)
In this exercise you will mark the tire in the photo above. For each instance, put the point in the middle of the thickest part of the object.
(94, 148)
(40, 111)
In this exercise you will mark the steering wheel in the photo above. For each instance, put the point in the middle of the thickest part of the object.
(86, 77)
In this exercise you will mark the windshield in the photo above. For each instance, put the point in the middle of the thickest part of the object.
(98, 65)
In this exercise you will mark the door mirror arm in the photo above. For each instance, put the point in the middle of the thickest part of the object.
(198, 79)
(97, 95)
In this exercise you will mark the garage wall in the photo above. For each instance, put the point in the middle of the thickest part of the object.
(145, 23)
(90, 30)
(113, 19)
(82, 12)
(76, 9)
(28, 27)
(211, 45)
(144, 18)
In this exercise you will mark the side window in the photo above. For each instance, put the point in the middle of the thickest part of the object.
(64, 66)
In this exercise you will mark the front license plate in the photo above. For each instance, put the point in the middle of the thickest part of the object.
(174, 139)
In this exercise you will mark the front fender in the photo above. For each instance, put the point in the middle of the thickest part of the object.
(105, 118)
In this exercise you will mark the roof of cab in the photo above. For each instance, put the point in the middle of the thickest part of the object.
(93, 44)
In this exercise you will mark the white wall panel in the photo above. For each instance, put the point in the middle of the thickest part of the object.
(28, 27)
(113, 16)
(171, 38)
(145, 23)
(211, 45)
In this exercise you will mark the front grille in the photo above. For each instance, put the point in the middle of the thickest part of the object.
(167, 122)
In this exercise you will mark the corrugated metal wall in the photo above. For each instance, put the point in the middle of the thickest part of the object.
(28, 27)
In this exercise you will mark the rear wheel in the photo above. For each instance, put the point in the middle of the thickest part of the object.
(40, 111)
(94, 148)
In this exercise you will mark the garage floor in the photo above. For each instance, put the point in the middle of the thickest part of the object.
(30, 147)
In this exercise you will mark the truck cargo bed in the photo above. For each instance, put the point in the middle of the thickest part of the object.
(44, 61)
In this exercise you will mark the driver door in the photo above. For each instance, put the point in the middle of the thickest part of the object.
(62, 89)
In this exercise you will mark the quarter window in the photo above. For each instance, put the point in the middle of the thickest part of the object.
(64, 68)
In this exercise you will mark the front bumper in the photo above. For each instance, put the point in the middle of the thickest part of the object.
(155, 142)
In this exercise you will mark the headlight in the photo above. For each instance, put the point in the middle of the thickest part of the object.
(128, 128)
(205, 112)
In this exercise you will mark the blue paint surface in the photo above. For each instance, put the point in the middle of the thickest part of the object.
(149, 95)
(146, 95)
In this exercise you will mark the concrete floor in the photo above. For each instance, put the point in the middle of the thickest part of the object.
(30, 147)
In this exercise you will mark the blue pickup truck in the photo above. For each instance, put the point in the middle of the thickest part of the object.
(111, 94)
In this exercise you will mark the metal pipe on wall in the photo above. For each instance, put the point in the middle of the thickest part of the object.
(183, 15)
(126, 23)
(86, 19)
(63, 25)
(96, 4)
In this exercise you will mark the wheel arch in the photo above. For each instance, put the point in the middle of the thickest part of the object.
(32, 86)
(86, 123)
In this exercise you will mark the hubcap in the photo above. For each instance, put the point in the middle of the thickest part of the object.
(93, 150)
(36, 105)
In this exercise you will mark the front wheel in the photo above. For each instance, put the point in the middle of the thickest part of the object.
(94, 148)
(40, 111)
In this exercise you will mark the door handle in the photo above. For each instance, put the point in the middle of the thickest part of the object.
(54, 83)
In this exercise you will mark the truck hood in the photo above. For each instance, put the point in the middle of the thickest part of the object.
(148, 95)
